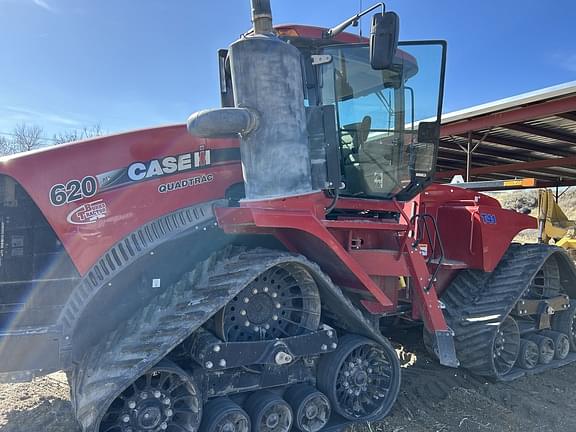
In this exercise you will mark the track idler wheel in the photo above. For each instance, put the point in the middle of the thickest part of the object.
(268, 412)
(223, 415)
(545, 347)
(565, 322)
(361, 378)
(547, 282)
(311, 408)
(505, 346)
(163, 399)
(561, 343)
(528, 355)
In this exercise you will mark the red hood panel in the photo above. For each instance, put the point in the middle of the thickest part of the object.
(95, 192)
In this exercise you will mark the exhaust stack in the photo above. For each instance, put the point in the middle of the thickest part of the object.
(268, 114)
(262, 16)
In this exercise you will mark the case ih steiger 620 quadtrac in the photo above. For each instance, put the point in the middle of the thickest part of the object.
(235, 276)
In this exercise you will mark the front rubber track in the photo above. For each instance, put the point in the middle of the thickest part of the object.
(155, 330)
(128, 352)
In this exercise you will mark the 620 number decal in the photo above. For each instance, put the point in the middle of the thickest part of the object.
(73, 190)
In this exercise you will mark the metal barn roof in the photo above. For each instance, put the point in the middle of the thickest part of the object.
(530, 135)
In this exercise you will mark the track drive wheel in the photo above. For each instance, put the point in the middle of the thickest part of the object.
(269, 412)
(528, 355)
(223, 415)
(163, 399)
(361, 378)
(311, 408)
(565, 322)
(283, 301)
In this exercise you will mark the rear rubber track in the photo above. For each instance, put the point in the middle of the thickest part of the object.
(477, 302)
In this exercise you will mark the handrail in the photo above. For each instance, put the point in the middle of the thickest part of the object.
(422, 218)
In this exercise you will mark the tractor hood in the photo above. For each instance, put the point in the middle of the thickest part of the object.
(94, 192)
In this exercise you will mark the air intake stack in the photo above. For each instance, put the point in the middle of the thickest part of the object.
(269, 112)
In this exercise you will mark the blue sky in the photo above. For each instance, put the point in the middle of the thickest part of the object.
(129, 64)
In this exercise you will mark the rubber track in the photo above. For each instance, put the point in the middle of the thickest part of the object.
(127, 353)
(476, 294)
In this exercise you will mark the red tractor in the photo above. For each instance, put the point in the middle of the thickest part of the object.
(236, 276)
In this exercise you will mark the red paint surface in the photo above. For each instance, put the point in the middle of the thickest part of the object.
(129, 207)
(359, 253)
(316, 33)
(465, 234)
(313, 32)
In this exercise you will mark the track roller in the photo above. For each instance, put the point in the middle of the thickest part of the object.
(545, 347)
(268, 412)
(223, 415)
(528, 355)
(565, 322)
(163, 399)
(361, 378)
(311, 408)
(561, 343)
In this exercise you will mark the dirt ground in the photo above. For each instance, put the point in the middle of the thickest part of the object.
(432, 399)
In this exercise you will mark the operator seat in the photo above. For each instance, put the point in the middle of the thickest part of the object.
(352, 170)
(362, 131)
(368, 162)
(379, 173)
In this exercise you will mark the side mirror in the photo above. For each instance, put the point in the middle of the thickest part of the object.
(383, 40)
(428, 132)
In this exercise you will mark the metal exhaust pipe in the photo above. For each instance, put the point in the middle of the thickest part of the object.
(262, 16)
(269, 112)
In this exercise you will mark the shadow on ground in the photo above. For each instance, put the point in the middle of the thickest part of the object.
(432, 399)
(49, 415)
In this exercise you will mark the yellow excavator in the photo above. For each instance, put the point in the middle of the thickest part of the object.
(553, 224)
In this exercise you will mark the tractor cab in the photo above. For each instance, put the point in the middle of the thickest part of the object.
(387, 120)
(378, 100)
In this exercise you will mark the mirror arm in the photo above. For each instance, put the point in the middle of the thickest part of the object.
(335, 31)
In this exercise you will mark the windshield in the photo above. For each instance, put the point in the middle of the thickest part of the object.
(380, 114)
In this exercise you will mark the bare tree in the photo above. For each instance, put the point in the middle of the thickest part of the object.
(5, 146)
(78, 134)
(26, 137)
